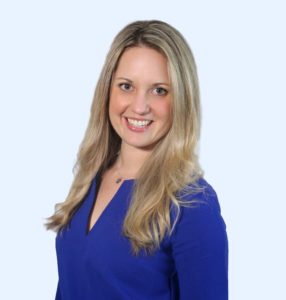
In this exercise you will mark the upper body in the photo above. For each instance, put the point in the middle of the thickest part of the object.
(190, 264)
(138, 156)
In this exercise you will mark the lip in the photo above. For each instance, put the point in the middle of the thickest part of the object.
(137, 119)
(137, 129)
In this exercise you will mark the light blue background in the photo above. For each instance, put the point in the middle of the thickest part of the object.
(51, 54)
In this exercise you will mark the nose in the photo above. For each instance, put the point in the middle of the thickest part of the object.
(140, 103)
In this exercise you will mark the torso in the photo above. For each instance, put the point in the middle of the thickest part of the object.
(107, 190)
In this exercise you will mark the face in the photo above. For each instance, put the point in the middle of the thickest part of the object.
(140, 98)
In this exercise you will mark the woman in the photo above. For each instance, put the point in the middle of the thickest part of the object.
(140, 221)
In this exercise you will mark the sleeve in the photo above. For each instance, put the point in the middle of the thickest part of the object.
(58, 293)
(200, 250)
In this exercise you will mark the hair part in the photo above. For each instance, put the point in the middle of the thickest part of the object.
(173, 165)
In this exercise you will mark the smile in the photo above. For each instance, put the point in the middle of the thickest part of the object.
(139, 123)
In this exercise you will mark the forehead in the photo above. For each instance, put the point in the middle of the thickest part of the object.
(143, 62)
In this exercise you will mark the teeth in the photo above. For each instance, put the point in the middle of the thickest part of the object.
(140, 123)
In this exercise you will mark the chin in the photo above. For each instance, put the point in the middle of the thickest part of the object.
(142, 146)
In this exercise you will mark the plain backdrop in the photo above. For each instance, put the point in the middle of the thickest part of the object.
(51, 53)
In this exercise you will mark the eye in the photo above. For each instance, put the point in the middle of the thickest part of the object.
(125, 86)
(160, 91)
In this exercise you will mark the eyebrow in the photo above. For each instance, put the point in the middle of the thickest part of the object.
(129, 80)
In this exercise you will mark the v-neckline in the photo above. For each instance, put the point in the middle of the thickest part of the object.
(88, 231)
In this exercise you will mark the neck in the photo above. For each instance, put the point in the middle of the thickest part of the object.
(130, 160)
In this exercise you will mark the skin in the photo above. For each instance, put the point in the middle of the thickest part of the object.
(135, 93)
(140, 90)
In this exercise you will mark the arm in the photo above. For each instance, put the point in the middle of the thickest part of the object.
(200, 250)
(58, 293)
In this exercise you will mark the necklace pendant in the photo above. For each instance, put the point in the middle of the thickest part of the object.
(118, 180)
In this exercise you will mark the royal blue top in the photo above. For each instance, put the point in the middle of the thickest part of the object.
(191, 264)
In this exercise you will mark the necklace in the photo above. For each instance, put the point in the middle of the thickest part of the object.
(118, 179)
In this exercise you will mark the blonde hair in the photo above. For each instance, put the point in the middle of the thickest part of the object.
(173, 165)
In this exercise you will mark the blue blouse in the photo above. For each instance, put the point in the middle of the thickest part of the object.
(192, 263)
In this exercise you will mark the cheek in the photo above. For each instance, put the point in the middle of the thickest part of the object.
(115, 106)
(163, 110)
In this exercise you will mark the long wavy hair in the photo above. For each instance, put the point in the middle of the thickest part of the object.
(173, 166)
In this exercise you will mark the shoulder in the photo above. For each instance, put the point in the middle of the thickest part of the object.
(199, 245)
(199, 213)
(200, 195)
